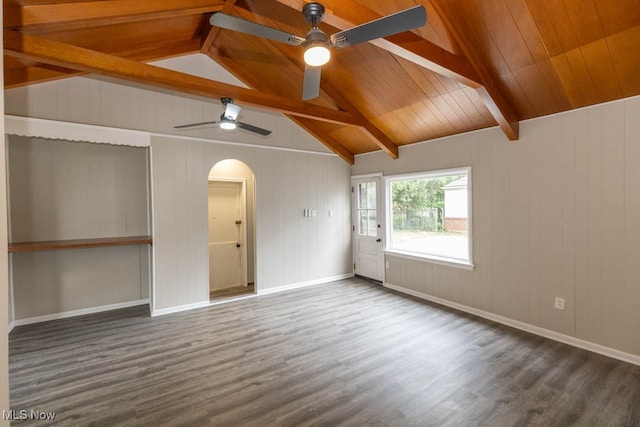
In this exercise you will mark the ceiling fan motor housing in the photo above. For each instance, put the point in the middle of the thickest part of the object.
(313, 12)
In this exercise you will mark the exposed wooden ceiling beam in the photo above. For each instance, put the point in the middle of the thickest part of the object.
(489, 92)
(214, 31)
(375, 134)
(52, 16)
(32, 73)
(39, 49)
(468, 70)
(308, 125)
(312, 127)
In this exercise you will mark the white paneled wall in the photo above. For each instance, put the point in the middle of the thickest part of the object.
(555, 214)
(63, 190)
(108, 102)
(291, 249)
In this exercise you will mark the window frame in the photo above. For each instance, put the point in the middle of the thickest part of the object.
(433, 258)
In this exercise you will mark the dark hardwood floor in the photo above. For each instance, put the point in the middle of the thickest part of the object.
(344, 353)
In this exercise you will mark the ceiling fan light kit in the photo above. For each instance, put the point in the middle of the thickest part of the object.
(317, 55)
(228, 120)
(316, 43)
(227, 124)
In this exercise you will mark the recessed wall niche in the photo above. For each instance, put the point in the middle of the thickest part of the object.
(62, 192)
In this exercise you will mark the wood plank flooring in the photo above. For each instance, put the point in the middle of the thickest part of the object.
(343, 353)
(235, 291)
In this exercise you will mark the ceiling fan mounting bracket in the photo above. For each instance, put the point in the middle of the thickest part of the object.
(313, 13)
(226, 100)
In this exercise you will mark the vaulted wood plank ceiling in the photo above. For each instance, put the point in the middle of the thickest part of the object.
(475, 64)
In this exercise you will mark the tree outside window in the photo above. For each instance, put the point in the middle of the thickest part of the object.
(429, 214)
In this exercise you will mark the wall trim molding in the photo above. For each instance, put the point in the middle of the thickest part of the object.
(54, 129)
(304, 284)
(546, 333)
(241, 144)
(10, 327)
(70, 131)
(79, 312)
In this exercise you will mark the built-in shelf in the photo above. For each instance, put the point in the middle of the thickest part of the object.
(78, 243)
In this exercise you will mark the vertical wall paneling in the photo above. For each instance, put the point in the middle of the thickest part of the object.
(594, 288)
(107, 102)
(499, 226)
(289, 247)
(555, 214)
(550, 204)
(584, 328)
(62, 190)
(613, 222)
(631, 249)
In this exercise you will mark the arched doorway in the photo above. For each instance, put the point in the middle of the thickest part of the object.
(231, 221)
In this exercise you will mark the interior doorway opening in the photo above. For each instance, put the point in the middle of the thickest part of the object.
(231, 230)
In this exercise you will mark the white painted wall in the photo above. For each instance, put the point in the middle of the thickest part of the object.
(290, 249)
(556, 213)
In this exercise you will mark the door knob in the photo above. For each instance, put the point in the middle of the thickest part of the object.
(237, 245)
(378, 240)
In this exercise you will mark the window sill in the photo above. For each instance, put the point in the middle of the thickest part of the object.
(449, 262)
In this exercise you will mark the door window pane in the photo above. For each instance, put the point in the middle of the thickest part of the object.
(367, 214)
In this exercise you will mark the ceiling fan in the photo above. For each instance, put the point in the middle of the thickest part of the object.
(228, 120)
(317, 43)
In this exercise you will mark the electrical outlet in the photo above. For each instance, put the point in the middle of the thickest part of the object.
(386, 265)
(559, 303)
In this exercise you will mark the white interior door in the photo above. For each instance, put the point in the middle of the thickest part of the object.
(226, 235)
(368, 227)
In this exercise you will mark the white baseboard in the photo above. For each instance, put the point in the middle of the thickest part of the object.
(80, 312)
(179, 308)
(304, 284)
(547, 333)
(201, 304)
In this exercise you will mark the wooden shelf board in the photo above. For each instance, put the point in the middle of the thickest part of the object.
(78, 243)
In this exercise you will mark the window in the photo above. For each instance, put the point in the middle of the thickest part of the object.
(367, 221)
(429, 215)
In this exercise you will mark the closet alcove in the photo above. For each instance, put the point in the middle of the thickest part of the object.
(79, 219)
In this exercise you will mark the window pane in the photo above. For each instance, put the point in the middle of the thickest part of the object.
(371, 195)
(429, 215)
(362, 196)
(363, 225)
(373, 223)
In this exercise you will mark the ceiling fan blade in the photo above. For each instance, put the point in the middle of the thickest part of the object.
(252, 128)
(231, 111)
(229, 22)
(397, 23)
(196, 124)
(311, 85)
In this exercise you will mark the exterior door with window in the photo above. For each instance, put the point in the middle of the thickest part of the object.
(368, 231)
